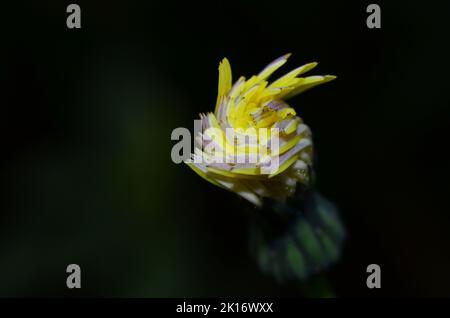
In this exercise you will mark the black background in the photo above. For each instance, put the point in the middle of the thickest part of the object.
(87, 118)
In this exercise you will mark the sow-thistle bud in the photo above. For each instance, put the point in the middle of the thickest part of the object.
(255, 145)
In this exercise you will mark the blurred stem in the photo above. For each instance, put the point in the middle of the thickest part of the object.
(317, 287)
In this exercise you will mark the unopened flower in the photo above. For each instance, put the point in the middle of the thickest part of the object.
(254, 144)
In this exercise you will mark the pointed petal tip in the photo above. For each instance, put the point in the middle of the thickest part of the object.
(224, 62)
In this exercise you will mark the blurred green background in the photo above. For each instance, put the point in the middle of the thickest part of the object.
(87, 175)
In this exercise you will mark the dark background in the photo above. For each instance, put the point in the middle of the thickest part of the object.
(87, 116)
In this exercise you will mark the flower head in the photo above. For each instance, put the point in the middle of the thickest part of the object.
(254, 144)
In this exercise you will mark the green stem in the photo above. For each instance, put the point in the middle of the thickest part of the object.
(317, 287)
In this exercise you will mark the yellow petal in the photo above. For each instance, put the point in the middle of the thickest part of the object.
(273, 66)
(225, 80)
(307, 83)
(284, 80)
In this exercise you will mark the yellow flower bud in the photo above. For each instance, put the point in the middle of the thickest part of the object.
(254, 144)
